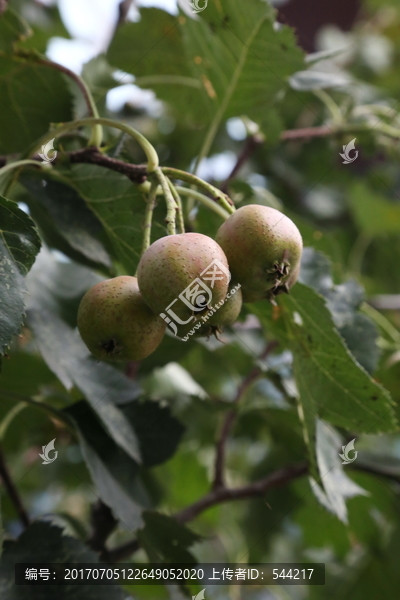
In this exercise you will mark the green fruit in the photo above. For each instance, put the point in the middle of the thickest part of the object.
(213, 324)
(182, 276)
(115, 322)
(263, 248)
(228, 312)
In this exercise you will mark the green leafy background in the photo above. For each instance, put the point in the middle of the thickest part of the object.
(141, 438)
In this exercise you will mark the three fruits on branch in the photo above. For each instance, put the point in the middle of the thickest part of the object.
(193, 283)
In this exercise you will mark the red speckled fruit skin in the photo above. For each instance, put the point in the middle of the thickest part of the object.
(115, 322)
(171, 264)
(253, 239)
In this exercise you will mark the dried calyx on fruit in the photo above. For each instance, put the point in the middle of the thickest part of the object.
(182, 277)
(263, 247)
(115, 322)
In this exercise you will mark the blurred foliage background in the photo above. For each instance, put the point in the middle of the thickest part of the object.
(333, 66)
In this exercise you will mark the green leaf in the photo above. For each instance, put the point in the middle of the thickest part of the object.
(19, 244)
(46, 23)
(227, 62)
(70, 216)
(12, 29)
(242, 60)
(114, 472)
(118, 205)
(343, 301)
(153, 51)
(103, 385)
(98, 74)
(166, 540)
(373, 213)
(336, 486)
(374, 575)
(158, 431)
(58, 286)
(331, 384)
(31, 98)
(54, 547)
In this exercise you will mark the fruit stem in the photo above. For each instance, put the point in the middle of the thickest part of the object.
(183, 191)
(381, 321)
(19, 163)
(169, 199)
(9, 417)
(331, 105)
(149, 150)
(218, 196)
(148, 216)
(178, 201)
(204, 200)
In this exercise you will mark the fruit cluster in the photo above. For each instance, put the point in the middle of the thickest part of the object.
(124, 318)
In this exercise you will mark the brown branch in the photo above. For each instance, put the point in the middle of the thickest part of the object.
(123, 9)
(231, 416)
(307, 132)
(254, 141)
(103, 524)
(250, 145)
(278, 478)
(385, 301)
(91, 155)
(3, 6)
(257, 488)
(387, 471)
(12, 491)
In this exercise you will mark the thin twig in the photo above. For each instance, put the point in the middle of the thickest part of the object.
(123, 9)
(250, 145)
(103, 524)
(380, 470)
(3, 6)
(307, 132)
(91, 155)
(257, 488)
(12, 491)
(79, 82)
(278, 478)
(385, 301)
(231, 416)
